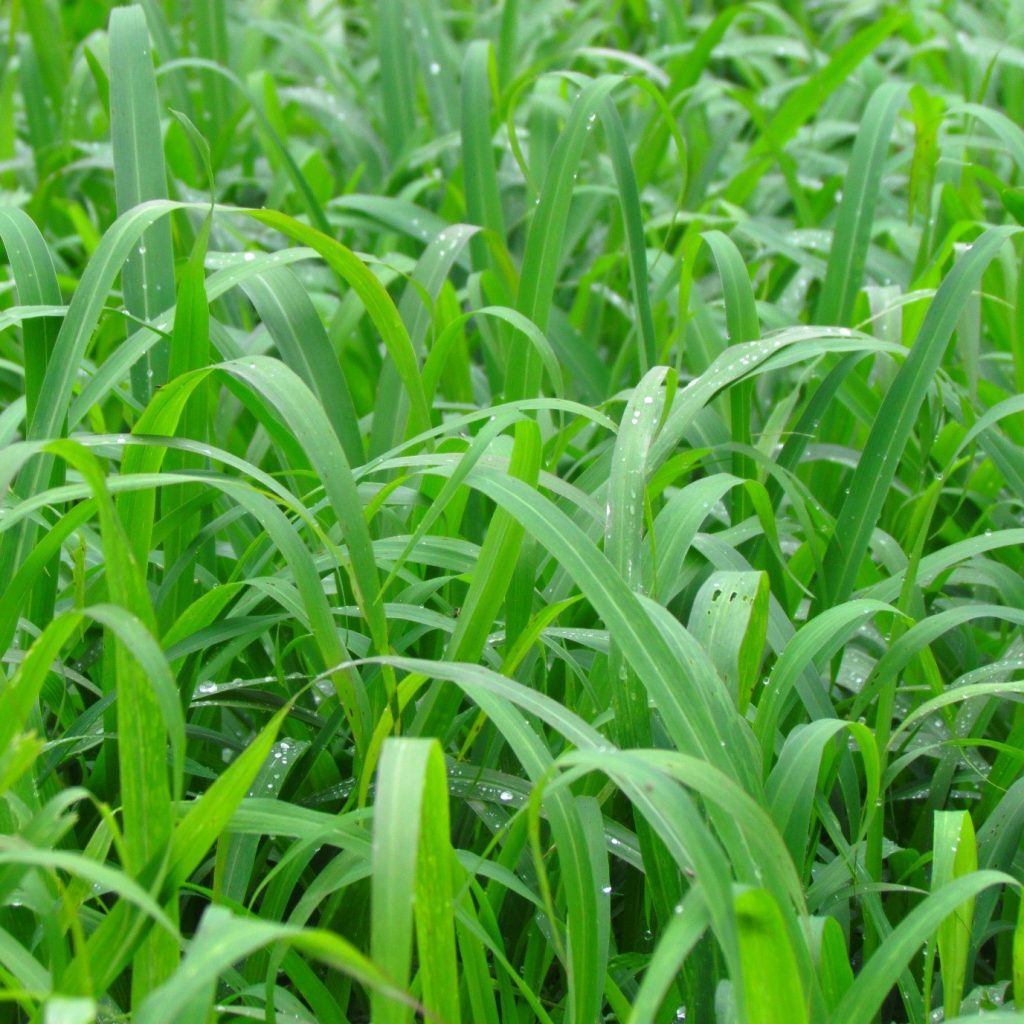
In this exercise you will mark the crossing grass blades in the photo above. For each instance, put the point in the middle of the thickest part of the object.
(511, 512)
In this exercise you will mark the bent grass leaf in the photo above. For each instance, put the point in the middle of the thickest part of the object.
(224, 939)
(343, 520)
(892, 425)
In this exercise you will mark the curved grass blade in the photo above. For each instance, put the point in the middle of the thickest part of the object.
(292, 319)
(896, 415)
(223, 939)
(36, 283)
(865, 996)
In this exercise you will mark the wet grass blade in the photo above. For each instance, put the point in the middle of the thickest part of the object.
(545, 238)
(337, 626)
(396, 73)
(140, 175)
(412, 878)
(803, 101)
(852, 233)
(894, 421)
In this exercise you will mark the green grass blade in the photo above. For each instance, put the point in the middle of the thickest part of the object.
(624, 522)
(140, 175)
(36, 282)
(772, 990)
(954, 855)
(483, 198)
(292, 320)
(376, 300)
(852, 233)
(865, 996)
(896, 414)
(412, 876)
(547, 229)
(692, 724)
(804, 100)
(489, 586)
(397, 84)
(729, 618)
(32, 268)
(223, 939)
(213, 44)
(51, 47)
(689, 921)
(632, 216)
(190, 350)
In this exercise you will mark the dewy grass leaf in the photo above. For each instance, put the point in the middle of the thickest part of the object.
(140, 175)
(190, 350)
(803, 101)
(397, 84)
(142, 723)
(624, 523)
(894, 421)
(559, 568)
(141, 729)
(545, 239)
(223, 939)
(642, 643)
(729, 619)
(483, 196)
(852, 234)
(98, 875)
(412, 877)
(36, 282)
(865, 996)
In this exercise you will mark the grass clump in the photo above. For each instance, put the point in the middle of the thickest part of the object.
(511, 513)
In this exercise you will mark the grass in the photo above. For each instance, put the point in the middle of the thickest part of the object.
(511, 513)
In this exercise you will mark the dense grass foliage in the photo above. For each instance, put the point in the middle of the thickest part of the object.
(511, 512)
